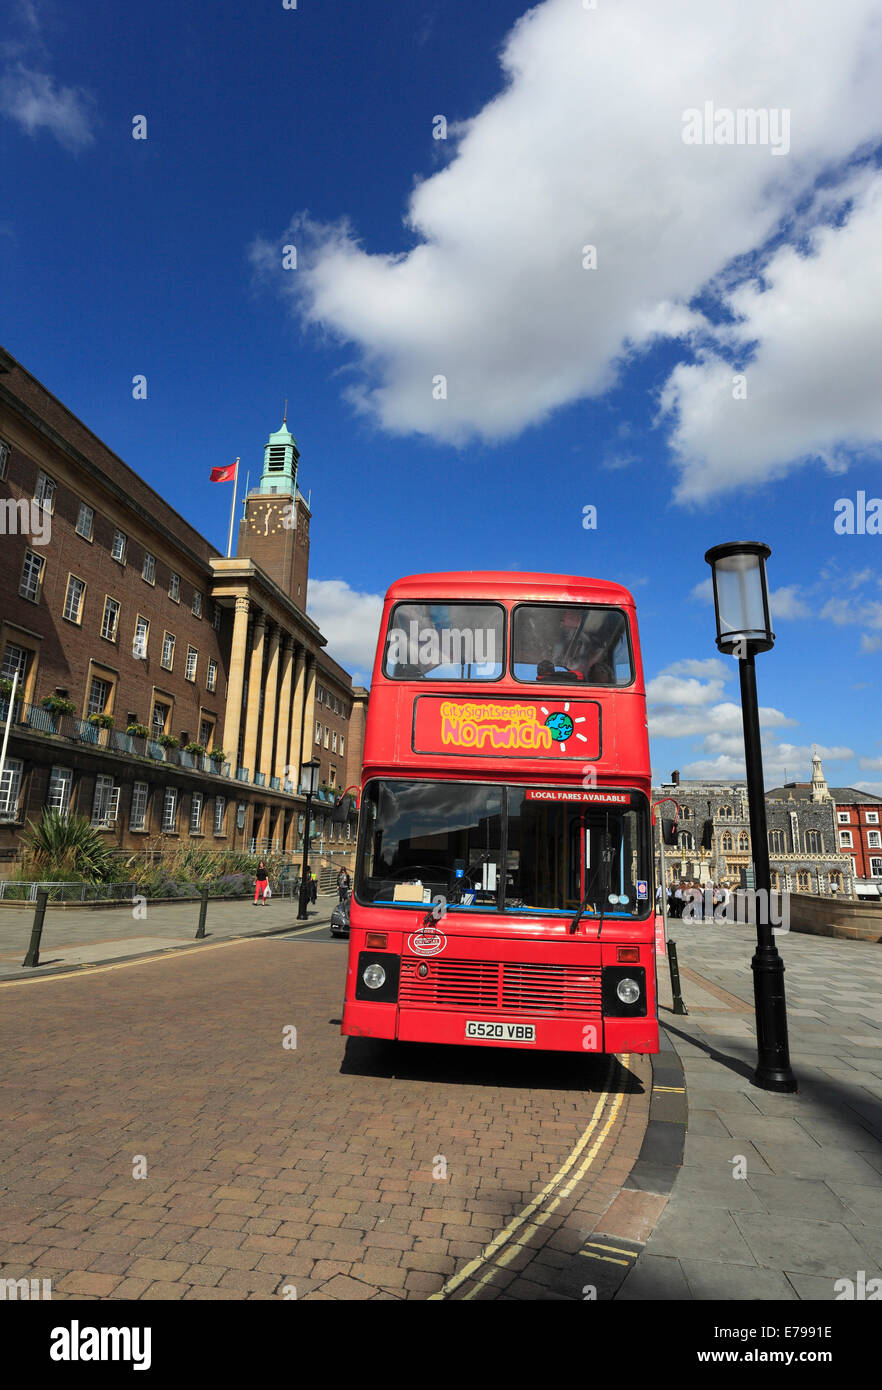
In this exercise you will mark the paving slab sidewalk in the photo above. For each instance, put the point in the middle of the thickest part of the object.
(94, 936)
(779, 1196)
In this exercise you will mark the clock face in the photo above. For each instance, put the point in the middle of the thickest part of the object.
(269, 520)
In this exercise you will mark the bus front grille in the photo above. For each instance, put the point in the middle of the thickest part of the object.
(505, 986)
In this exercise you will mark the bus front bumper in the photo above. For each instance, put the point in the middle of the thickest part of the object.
(610, 1035)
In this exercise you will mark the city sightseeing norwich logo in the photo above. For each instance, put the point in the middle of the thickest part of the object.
(482, 725)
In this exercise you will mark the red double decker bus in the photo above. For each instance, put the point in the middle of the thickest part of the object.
(503, 891)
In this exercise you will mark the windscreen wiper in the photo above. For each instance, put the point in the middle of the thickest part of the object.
(602, 878)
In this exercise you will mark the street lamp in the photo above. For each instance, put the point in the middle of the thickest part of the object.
(309, 783)
(744, 627)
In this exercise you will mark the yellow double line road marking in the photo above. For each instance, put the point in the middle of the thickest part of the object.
(592, 1245)
(526, 1218)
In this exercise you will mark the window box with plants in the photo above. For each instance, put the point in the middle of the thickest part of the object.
(218, 758)
(55, 706)
(191, 754)
(169, 743)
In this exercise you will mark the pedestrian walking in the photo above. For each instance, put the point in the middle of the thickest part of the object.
(343, 885)
(261, 879)
(313, 886)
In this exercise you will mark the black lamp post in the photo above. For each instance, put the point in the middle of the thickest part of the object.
(744, 627)
(309, 784)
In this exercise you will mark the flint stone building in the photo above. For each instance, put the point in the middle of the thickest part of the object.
(804, 853)
(118, 614)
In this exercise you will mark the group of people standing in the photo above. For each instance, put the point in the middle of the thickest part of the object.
(689, 899)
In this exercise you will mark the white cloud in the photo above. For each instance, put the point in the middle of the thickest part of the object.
(583, 146)
(351, 622)
(812, 382)
(678, 690)
(788, 603)
(722, 718)
(870, 764)
(33, 100)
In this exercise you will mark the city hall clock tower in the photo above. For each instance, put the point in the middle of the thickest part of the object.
(274, 530)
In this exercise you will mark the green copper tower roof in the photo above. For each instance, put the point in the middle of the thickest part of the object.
(280, 459)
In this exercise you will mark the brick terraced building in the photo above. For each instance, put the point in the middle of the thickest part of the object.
(120, 614)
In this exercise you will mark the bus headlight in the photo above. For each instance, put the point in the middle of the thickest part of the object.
(623, 991)
(374, 977)
(628, 991)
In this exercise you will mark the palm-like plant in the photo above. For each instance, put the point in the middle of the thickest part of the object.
(66, 847)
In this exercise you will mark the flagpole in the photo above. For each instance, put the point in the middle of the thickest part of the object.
(233, 511)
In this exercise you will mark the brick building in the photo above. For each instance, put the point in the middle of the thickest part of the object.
(120, 616)
(858, 829)
(804, 853)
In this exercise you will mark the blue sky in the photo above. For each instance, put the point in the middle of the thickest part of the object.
(567, 384)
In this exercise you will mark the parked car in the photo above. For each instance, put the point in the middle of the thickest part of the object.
(340, 919)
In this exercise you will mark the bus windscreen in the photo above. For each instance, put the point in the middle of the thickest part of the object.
(571, 644)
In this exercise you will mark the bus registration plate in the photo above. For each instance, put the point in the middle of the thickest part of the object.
(502, 1032)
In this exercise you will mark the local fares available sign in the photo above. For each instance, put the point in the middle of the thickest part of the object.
(562, 794)
(551, 728)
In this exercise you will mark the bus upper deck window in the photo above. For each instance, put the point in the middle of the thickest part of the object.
(445, 642)
(571, 644)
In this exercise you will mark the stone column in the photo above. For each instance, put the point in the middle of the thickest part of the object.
(269, 706)
(255, 679)
(295, 737)
(285, 710)
(309, 747)
(235, 681)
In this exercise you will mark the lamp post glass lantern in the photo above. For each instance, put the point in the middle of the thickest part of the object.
(744, 627)
(741, 597)
(309, 780)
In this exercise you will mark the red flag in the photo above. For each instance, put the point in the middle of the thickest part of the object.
(225, 474)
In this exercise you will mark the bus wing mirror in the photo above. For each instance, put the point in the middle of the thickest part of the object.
(669, 832)
(341, 810)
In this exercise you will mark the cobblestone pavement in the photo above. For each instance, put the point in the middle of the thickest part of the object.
(339, 1169)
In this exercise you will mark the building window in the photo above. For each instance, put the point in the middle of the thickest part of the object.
(4, 457)
(776, 841)
(220, 808)
(168, 651)
(876, 867)
(44, 492)
(110, 620)
(160, 718)
(813, 842)
(872, 818)
(804, 881)
(73, 599)
(142, 635)
(835, 880)
(318, 694)
(327, 737)
(333, 743)
(845, 840)
(332, 777)
(197, 603)
(685, 839)
(206, 732)
(216, 618)
(85, 521)
(148, 569)
(196, 814)
(725, 813)
(170, 809)
(341, 745)
(118, 549)
(190, 669)
(10, 786)
(31, 576)
(99, 694)
(843, 817)
(743, 842)
(138, 815)
(211, 676)
(60, 785)
(106, 803)
(727, 842)
(174, 588)
(15, 659)
(874, 839)
(318, 733)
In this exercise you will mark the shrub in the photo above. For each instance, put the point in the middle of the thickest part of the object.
(101, 721)
(197, 748)
(65, 847)
(217, 755)
(138, 731)
(58, 704)
(168, 741)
